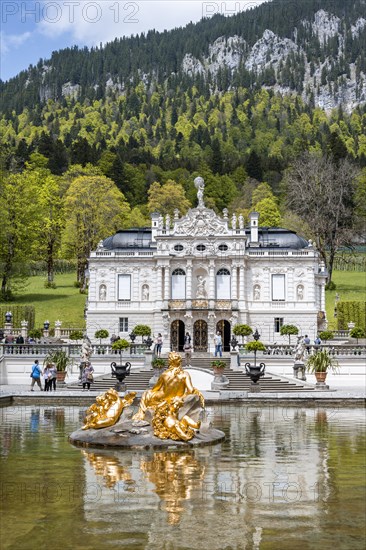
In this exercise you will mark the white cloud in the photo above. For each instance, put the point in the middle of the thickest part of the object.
(11, 41)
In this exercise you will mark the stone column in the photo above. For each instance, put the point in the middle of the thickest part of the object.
(166, 283)
(159, 283)
(24, 331)
(234, 283)
(322, 297)
(291, 291)
(211, 293)
(135, 284)
(241, 283)
(58, 329)
(189, 280)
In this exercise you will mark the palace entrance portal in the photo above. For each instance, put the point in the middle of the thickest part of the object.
(177, 335)
(200, 335)
(223, 326)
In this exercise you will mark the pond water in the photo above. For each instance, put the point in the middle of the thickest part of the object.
(285, 478)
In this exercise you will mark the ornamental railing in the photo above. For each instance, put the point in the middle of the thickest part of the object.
(343, 350)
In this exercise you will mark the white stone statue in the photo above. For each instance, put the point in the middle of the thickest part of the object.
(300, 292)
(145, 293)
(201, 287)
(299, 351)
(102, 292)
(241, 221)
(86, 350)
(257, 292)
(200, 186)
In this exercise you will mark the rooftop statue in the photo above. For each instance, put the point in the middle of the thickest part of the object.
(200, 186)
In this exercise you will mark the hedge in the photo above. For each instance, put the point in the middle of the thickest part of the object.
(19, 313)
(348, 312)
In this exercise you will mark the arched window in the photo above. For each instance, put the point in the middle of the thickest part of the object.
(223, 284)
(178, 284)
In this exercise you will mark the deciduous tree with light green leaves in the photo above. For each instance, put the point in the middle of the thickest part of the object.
(94, 209)
(20, 217)
(166, 198)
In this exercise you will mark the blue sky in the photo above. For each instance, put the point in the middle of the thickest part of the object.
(34, 29)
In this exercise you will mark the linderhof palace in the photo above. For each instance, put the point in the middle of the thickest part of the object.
(202, 273)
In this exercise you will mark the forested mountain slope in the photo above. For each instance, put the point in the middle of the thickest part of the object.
(316, 48)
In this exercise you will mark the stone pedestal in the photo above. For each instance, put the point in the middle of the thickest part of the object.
(148, 359)
(254, 388)
(8, 328)
(299, 370)
(234, 360)
(220, 382)
(321, 386)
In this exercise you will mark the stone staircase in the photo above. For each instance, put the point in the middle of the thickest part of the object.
(239, 381)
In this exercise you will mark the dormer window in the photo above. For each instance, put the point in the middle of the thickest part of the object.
(223, 247)
(178, 247)
(200, 247)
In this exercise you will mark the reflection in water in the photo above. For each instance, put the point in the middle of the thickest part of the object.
(286, 477)
(110, 469)
(174, 475)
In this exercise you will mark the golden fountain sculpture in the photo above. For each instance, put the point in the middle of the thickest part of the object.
(174, 407)
(107, 409)
(173, 391)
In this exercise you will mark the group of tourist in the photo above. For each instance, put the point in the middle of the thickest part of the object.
(48, 373)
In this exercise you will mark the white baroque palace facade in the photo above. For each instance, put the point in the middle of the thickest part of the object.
(202, 273)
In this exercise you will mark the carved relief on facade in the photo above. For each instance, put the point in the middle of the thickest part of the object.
(102, 293)
(223, 304)
(200, 304)
(202, 222)
(166, 320)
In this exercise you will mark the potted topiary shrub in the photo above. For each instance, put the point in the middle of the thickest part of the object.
(142, 330)
(101, 334)
(289, 330)
(76, 335)
(242, 330)
(326, 335)
(357, 332)
(320, 363)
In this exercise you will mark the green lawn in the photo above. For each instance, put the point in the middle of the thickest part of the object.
(67, 304)
(351, 286)
(64, 302)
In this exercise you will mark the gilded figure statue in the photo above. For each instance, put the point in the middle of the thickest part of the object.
(167, 425)
(172, 384)
(107, 409)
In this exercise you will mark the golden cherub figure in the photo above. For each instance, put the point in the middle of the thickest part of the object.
(174, 383)
(107, 409)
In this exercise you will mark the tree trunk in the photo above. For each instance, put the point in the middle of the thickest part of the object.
(50, 264)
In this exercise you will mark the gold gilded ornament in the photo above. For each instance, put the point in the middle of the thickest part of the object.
(167, 424)
(107, 409)
(174, 383)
